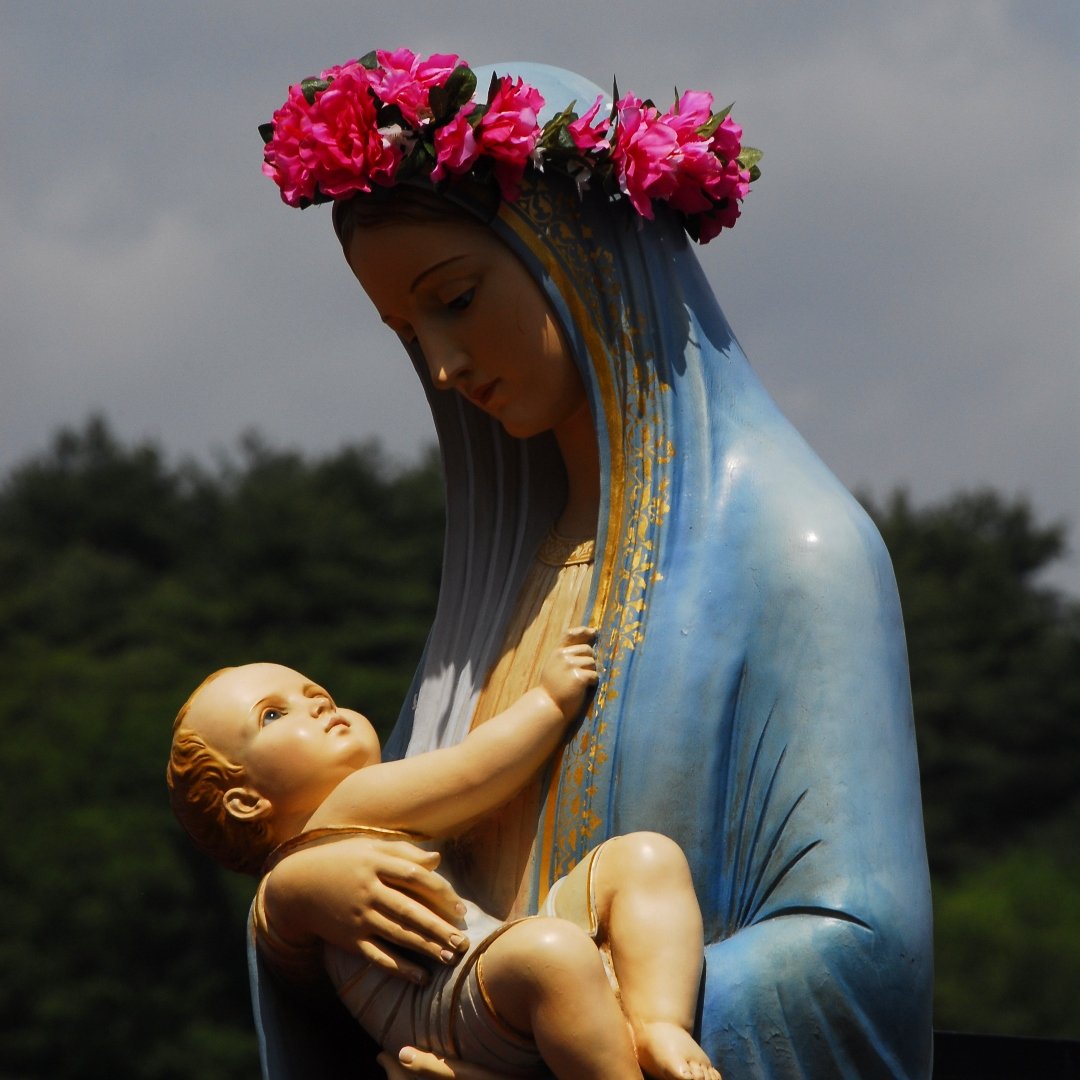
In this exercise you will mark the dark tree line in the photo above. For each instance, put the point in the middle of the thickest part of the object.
(125, 579)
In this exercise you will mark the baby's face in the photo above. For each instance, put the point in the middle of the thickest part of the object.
(295, 745)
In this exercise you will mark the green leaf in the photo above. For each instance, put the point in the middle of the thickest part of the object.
(446, 101)
(555, 134)
(311, 87)
(389, 115)
(370, 60)
(411, 166)
(461, 86)
(708, 130)
(749, 157)
(266, 131)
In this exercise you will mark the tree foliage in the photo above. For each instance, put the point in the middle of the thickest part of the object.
(127, 578)
(125, 582)
(995, 672)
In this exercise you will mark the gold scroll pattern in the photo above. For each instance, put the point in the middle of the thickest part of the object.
(618, 342)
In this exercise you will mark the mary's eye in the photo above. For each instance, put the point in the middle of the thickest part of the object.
(271, 714)
(462, 300)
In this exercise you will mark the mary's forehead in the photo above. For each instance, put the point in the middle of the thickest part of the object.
(395, 257)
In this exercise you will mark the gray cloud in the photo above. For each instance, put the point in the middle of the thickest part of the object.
(904, 277)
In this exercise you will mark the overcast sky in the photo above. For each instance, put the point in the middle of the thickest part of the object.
(905, 277)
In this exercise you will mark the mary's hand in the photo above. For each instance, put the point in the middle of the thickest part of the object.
(422, 1064)
(375, 897)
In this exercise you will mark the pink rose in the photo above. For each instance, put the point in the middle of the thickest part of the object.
(281, 155)
(585, 136)
(727, 139)
(509, 132)
(346, 151)
(456, 150)
(338, 69)
(734, 186)
(405, 79)
(710, 224)
(666, 157)
(692, 111)
(642, 151)
(696, 170)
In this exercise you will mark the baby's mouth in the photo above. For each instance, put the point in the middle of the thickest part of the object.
(335, 721)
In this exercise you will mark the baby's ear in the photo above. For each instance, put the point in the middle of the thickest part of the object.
(246, 804)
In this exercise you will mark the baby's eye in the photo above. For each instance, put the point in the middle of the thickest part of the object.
(462, 300)
(270, 714)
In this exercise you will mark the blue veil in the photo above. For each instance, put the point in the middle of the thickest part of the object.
(754, 704)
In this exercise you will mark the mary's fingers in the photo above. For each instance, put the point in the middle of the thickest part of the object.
(440, 941)
(412, 1062)
(410, 852)
(421, 1063)
(432, 890)
(390, 960)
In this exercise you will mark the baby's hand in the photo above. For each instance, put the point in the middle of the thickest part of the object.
(570, 670)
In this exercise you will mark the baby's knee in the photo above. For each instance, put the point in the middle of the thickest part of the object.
(647, 856)
(553, 948)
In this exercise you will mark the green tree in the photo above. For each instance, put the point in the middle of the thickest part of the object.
(995, 672)
(127, 578)
(126, 581)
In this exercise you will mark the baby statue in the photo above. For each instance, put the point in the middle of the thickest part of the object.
(602, 984)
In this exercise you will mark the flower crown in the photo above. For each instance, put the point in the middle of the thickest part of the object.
(392, 116)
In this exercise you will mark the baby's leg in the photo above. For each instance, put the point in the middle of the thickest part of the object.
(650, 922)
(546, 977)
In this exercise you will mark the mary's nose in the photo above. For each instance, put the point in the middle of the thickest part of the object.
(446, 364)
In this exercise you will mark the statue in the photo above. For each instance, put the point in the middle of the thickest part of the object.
(611, 459)
(264, 763)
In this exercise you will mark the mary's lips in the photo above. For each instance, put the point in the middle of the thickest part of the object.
(482, 395)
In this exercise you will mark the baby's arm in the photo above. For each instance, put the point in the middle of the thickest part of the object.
(439, 792)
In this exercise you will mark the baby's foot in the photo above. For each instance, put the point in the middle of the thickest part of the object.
(667, 1052)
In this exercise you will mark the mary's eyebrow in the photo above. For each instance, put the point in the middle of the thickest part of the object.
(431, 270)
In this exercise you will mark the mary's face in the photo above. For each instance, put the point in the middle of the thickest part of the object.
(484, 325)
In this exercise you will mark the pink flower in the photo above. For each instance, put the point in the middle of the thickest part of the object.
(692, 111)
(727, 139)
(509, 132)
(710, 224)
(666, 157)
(405, 79)
(456, 150)
(338, 69)
(696, 170)
(345, 139)
(587, 137)
(346, 150)
(281, 155)
(733, 187)
(642, 150)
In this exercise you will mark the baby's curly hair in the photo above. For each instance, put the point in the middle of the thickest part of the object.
(198, 777)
